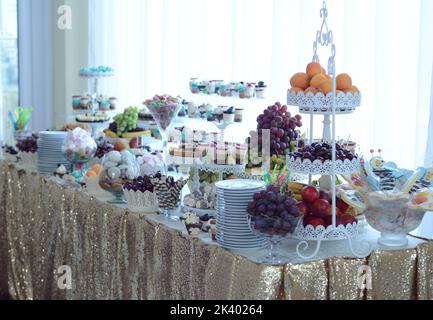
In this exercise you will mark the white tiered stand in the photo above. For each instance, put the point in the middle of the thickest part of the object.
(328, 106)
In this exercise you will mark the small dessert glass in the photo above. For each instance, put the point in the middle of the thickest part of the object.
(274, 230)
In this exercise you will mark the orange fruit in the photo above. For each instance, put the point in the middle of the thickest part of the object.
(296, 90)
(120, 146)
(344, 82)
(96, 168)
(317, 80)
(352, 90)
(314, 68)
(323, 70)
(313, 90)
(91, 174)
(326, 86)
(300, 80)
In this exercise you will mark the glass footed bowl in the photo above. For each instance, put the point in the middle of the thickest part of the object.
(274, 229)
(112, 185)
(80, 157)
(164, 114)
(393, 217)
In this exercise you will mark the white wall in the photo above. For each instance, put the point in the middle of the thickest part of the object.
(70, 54)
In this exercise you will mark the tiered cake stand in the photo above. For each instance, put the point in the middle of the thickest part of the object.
(94, 82)
(329, 106)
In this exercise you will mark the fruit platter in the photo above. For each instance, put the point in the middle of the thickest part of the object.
(317, 159)
(312, 91)
(125, 126)
(316, 208)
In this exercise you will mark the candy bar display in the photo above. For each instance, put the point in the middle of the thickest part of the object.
(140, 194)
(240, 90)
(117, 168)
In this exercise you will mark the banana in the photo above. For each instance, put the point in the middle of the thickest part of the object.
(110, 134)
(295, 186)
(298, 197)
(134, 134)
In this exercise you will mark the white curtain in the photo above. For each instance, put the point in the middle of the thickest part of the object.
(429, 152)
(156, 46)
(36, 23)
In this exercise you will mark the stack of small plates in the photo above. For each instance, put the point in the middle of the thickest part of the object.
(232, 227)
(50, 153)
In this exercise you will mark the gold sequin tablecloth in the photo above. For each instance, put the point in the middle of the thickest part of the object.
(115, 254)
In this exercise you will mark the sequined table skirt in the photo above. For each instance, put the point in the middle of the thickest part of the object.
(115, 254)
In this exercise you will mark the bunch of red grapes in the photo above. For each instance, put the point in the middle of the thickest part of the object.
(29, 144)
(273, 213)
(282, 126)
(142, 184)
(104, 147)
(322, 152)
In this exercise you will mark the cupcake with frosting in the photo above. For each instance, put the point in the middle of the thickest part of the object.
(229, 115)
(218, 113)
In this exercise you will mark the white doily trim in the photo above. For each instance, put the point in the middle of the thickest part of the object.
(235, 169)
(321, 104)
(311, 233)
(146, 202)
(317, 167)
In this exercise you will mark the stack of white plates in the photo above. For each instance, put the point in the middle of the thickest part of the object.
(232, 227)
(50, 153)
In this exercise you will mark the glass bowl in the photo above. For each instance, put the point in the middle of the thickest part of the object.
(274, 229)
(393, 217)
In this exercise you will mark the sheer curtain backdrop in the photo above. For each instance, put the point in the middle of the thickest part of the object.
(157, 45)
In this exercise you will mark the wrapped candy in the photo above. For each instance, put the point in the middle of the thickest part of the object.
(168, 191)
(79, 145)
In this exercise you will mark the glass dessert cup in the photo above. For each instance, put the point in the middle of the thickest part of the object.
(164, 116)
(173, 214)
(112, 185)
(393, 218)
(274, 230)
(79, 159)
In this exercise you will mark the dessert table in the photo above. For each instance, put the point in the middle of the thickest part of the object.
(117, 254)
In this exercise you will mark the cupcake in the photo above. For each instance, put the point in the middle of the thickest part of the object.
(61, 171)
(104, 105)
(218, 113)
(229, 115)
(76, 102)
(84, 103)
(250, 90)
(192, 110)
(193, 85)
(242, 90)
(238, 114)
(261, 90)
(221, 155)
(113, 103)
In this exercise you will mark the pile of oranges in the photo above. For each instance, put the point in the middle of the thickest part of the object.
(316, 80)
